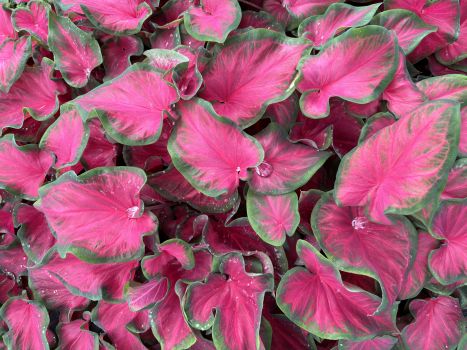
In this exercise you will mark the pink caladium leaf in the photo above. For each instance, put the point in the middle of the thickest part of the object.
(104, 202)
(319, 29)
(34, 94)
(14, 55)
(7, 31)
(452, 87)
(456, 51)
(121, 17)
(66, 137)
(165, 60)
(188, 78)
(300, 9)
(376, 123)
(76, 334)
(214, 158)
(99, 151)
(402, 95)
(237, 298)
(23, 168)
(448, 263)
(76, 53)
(34, 19)
(356, 245)
(456, 187)
(418, 273)
(286, 165)
(117, 52)
(93, 281)
(409, 28)
(270, 60)
(305, 296)
(34, 233)
(273, 217)
(121, 324)
(380, 343)
(363, 82)
(212, 20)
(373, 184)
(172, 185)
(27, 322)
(130, 114)
(438, 324)
(147, 294)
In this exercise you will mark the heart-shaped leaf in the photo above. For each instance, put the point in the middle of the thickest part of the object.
(33, 19)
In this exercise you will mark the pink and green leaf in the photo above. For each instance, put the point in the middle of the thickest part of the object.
(23, 168)
(131, 107)
(437, 325)
(98, 216)
(212, 20)
(34, 19)
(119, 17)
(319, 29)
(273, 217)
(270, 60)
(215, 157)
(27, 322)
(300, 9)
(76, 53)
(76, 334)
(409, 28)
(14, 55)
(387, 185)
(356, 66)
(354, 244)
(448, 263)
(237, 298)
(66, 137)
(286, 165)
(316, 299)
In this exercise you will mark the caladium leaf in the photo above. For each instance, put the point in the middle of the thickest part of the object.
(27, 322)
(104, 202)
(76, 334)
(33, 19)
(116, 53)
(130, 114)
(407, 192)
(66, 137)
(22, 168)
(286, 165)
(300, 9)
(119, 17)
(165, 60)
(456, 187)
(14, 55)
(93, 281)
(356, 245)
(305, 296)
(449, 262)
(270, 60)
(76, 52)
(212, 20)
(319, 29)
(117, 320)
(364, 81)
(418, 273)
(273, 217)
(215, 157)
(7, 31)
(34, 94)
(409, 28)
(172, 185)
(438, 324)
(147, 294)
(34, 233)
(380, 343)
(237, 299)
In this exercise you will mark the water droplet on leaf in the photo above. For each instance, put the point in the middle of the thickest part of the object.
(264, 169)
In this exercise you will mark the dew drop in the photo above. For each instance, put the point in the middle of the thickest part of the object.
(359, 223)
(133, 212)
(264, 169)
(237, 169)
